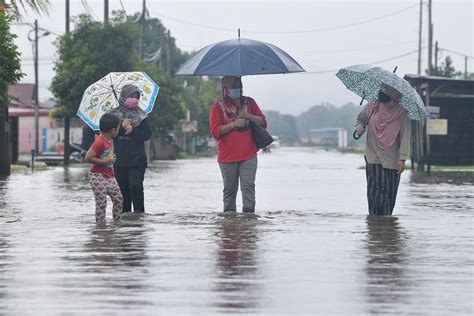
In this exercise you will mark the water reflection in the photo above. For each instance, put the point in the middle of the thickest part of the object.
(237, 266)
(118, 245)
(386, 265)
(115, 256)
(4, 259)
(437, 177)
(3, 200)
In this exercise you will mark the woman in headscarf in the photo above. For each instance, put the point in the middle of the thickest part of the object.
(236, 150)
(388, 143)
(130, 149)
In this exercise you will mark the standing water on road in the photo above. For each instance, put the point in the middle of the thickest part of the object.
(309, 249)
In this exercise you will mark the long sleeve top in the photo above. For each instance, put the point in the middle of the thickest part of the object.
(130, 148)
(389, 157)
(236, 145)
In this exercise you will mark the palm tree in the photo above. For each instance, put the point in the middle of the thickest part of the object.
(15, 5)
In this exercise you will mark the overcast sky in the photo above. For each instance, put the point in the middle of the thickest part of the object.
(320, 35)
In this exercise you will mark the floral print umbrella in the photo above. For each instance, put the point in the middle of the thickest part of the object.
(103, 95)
(365, 81)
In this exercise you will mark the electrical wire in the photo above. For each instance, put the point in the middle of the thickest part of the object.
(371, 63)
(292, 32)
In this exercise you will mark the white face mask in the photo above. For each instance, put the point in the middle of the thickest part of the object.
(234, 93)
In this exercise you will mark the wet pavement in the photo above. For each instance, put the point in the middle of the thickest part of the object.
(309, 249)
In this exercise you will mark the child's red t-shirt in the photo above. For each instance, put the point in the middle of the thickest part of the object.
(103, 148)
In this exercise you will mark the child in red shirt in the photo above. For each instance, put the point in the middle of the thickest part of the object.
(101, 176)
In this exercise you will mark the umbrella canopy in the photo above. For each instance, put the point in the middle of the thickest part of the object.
(365, 81)
(239, 57)
(102, 96)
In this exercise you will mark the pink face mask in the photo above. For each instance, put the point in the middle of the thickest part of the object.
(131, 103)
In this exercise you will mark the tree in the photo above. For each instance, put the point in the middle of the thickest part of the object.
(14, 6)
(87, 54)
(446, 69)
(10, 73)
(327, 115)
(169, 107)
(283, 126)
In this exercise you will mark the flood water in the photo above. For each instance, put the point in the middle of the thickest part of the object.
(310, 248)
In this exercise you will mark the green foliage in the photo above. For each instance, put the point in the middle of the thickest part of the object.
(92, 50)
(169, 107)
(447, 69)
(290, 128)
(283, 126)
(199, 95)
(156, 36)
(14, 6)
(10, 64)
(87, 54)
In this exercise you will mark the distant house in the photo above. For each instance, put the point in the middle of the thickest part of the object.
(448, 137)
(21, 111)
(329, 137)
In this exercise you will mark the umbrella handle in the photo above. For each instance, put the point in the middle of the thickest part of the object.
(356, 136)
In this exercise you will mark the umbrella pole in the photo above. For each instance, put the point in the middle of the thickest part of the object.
(115, 94)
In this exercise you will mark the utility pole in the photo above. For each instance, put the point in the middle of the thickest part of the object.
(142, 30)
(465, 67)
(436, 58)
(430, 39)
(36, 90)
(67, 16)
(106, 12)
(420, 28)
(67, 119)
(168, 54)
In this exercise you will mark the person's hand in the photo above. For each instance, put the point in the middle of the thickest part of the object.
(127, 125)
(126, 122)
(360, 131)
(244, 115)
(128, 128)
(110, 159)
(401, 166)
(238, 123)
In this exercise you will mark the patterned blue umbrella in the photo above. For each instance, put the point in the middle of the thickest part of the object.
(239, 57)
(365, 81)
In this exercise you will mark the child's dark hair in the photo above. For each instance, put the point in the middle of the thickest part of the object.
(108, 122)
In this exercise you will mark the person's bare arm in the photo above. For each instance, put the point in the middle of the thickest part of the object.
(91, 158)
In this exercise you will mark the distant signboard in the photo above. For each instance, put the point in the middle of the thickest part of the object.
(189, 126)
(437, 127)
(433, 111)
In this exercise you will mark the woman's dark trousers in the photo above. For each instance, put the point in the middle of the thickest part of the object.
(130, 180)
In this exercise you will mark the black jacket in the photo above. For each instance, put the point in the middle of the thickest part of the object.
(130, 148)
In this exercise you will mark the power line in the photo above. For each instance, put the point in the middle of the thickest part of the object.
(454, 52)
(292, 32)
(196, 24)
(373, 63)
(355, 49)
(123, 7)
(338, 27)
(89, 10)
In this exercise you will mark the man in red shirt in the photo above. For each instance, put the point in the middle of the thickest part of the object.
(236, 150)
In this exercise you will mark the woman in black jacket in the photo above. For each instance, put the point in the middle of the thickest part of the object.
(129, 149)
